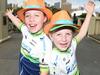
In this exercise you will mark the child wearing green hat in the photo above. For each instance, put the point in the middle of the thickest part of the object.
(60, 30)
(35, 44)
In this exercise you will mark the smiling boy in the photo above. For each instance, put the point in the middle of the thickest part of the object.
(60, 30)
(35, 44)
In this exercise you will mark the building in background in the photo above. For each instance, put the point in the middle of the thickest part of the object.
(66, 5)
(3, 21)
(57, 5)
(14, 6)
(48, 5)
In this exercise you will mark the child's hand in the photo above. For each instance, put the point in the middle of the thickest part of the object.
(89, 7)
(8, 12)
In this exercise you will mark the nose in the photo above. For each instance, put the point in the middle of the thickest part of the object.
(64, 38)
(31, 18)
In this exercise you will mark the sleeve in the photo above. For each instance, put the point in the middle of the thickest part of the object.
(44, 68)
(20, 26)
(77, 39)
(75, 42)
(48, 47)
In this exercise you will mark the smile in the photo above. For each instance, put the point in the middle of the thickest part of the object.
(63, 44)
(33, 25)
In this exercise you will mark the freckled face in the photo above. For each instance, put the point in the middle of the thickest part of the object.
(62, 38)
(34, 20)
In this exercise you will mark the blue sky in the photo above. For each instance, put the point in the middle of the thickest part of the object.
(75, 3)
(20, 1)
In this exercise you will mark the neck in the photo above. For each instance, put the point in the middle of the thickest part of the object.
(37, 33)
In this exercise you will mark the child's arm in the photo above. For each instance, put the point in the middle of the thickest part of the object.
(83, 31)
(44, 69)
(44, 73)
(13, 18)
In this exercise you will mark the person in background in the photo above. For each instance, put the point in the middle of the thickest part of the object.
(75, 19)
(61, 31)
(35, 44)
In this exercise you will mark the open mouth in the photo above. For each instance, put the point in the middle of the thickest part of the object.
(63, 44)
(32, 25)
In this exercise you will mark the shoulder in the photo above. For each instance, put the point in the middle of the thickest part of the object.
(47, 39)
(73, 44)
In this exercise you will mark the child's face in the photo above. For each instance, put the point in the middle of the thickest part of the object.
(62, 38)
(34, 20)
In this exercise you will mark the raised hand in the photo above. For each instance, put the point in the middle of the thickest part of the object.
(89, 7)
(13, 18)
(8, 12)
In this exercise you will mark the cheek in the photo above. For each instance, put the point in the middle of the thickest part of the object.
(40, 25)
(26, 21)
(41, 21)
(56, 40)
(69, 38)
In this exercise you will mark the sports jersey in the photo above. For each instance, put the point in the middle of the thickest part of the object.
(34, 48)
(64, 63)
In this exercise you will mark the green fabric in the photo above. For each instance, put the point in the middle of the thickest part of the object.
(59, 26)
(77, 73)
(61, 52)
(32, 59)
(20, 25)
(77, 39)
(44, 68)
(39, 33)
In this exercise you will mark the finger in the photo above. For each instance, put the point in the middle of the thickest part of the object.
(12, 10)
(7, 10)
(91, 2)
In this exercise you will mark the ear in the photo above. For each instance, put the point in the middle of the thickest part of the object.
(45, 19)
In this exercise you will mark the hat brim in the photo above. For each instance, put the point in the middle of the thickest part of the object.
(51, 27)
(46, 11)
(60, 26)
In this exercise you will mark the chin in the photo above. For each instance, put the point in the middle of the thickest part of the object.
(33, 30)
(63, 49)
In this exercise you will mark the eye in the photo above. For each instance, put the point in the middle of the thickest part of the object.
(69, 34)
(58, 34)
(36, 15)
(27, 15)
